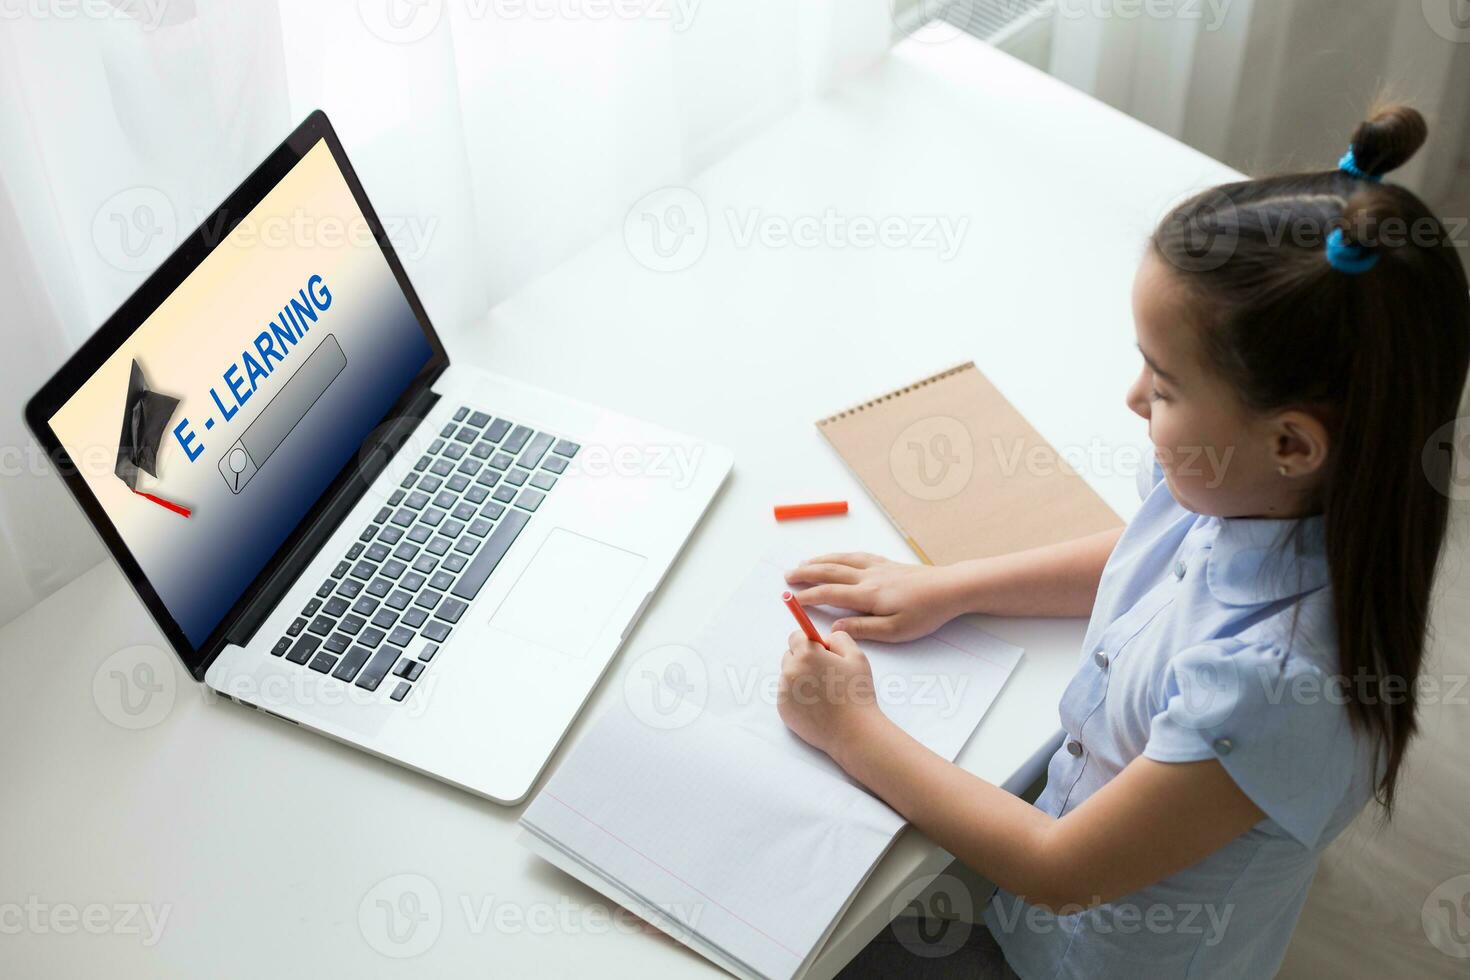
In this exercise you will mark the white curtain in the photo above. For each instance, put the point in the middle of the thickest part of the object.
(1268, 85)
(495, 137)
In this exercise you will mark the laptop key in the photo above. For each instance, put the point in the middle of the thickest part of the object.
(501, 461)
(390, 534)
(368, 532)
(505, 494)
(393, 568)
(479, 420)
(535, 450)
(442, 467)
(321, 626)
(499, 542)
(341, 569)
(371, 637)
(487, 479)
(383, 514)
(451, 529)
(517, 476)
(282, 645)
(425, 564)
(497, 430)
(323, 662)
(413, 581)
(297, 625)
(463, 511)
(394, 498)
(409, 481)
(401, 691)
(530, 499)
(466, 545)
(351, 663)
(401, 636)
(445, 500)
(377, 552)
(466, 434)
(385, 618)
(461, 412)
(476, 495)
(458, 482)
(430, 484)
(419, 533)
(441, 581)
(410, 669)
(337, 642)
(304, 648)
(438, 546)
(517, 439)
(398, 600)
(417, 500)
(415, 617)
(364, 570)
(448, 430)
(349, 588)
(354, 551)
(566, 448)
(556, 464)
(427, 653)
(336, 606)
(542, 480)
(428, 599)
(380, 587)
(351, 625)
(435, 446)
(365, 605)
(436, 630)
(455, 562)
(455, 451)
(377, 668)
(480, 527)
(432, 517)
(492, 510)
(403, 517)
(326, 589)
(451, 609)
(482, 450)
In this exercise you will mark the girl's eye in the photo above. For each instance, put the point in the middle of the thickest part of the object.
(1158, 395)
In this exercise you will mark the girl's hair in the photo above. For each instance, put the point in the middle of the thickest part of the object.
(1380, 356)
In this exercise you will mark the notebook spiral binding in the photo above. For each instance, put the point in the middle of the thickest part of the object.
(898, 393)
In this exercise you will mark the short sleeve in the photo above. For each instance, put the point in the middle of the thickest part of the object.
(1148, 477)
(1275, 722)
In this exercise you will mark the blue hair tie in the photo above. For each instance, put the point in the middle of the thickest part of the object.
(1347, 258)
(1349, 165)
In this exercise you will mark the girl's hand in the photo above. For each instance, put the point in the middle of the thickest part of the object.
(902, 602)
(827, 696)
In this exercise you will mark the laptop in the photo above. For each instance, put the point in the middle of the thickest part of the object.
(334, 523)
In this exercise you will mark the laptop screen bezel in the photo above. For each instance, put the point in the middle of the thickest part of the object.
(122, 324)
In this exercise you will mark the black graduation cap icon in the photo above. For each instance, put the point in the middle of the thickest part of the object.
(145, 418)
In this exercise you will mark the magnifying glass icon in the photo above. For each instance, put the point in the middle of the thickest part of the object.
(238, 462)
(237, 466)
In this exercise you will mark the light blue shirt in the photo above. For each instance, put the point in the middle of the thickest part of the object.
(1210, 639)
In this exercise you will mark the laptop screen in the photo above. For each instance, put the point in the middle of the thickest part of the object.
(208, 435)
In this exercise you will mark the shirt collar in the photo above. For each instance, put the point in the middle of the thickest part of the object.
(1255, 561)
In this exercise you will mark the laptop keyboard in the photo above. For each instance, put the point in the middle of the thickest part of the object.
(397, 594)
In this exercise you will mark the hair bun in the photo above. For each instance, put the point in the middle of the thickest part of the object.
(1388, 139)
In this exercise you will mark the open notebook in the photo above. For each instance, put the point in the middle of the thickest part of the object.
(690, 803)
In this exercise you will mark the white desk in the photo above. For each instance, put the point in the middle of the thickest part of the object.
(260, 842)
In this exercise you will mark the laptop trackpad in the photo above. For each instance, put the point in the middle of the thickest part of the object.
(564, 597)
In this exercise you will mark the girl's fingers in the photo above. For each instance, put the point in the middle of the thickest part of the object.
(829, 595)
(842, 643)
(867, 627)
(814, 573)
(856, 559)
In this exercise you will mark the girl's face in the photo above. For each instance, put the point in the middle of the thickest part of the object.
(1219, 458)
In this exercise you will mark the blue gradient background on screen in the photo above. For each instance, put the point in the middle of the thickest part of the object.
(200, 566)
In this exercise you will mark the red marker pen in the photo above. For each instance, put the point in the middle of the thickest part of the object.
(803, 620)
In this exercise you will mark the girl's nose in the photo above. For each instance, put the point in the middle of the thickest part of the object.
(1137, 396)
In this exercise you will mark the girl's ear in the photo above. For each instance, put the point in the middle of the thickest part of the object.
(1300, 444)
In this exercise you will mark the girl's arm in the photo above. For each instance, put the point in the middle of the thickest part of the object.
(904, 601)
(1150, 821)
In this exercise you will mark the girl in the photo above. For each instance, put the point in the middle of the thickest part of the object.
(1247, 679)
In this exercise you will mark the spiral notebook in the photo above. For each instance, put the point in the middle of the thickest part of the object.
(690, 803)
(961, 473)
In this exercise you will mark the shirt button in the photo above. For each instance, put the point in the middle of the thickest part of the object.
(1224, 745)
(1180, 568)
(1101, 659)
(1074, 747)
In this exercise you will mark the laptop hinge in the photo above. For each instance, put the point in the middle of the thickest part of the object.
(373, 458)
